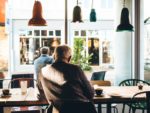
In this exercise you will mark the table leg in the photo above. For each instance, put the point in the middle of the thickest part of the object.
(148, 101)
(1, 110)
(99, 108)
(109, 108)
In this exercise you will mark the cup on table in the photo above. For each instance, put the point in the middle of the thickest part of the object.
(98, 91)
(23, 85)
(140, 86)
(5, 91)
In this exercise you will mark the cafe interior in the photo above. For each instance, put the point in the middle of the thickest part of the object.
(109, 41)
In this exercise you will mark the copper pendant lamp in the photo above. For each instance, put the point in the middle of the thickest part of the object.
(77, 14)
(124, 20)
(2, 12)
(37, 19)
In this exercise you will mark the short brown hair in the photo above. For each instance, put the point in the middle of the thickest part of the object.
(62, 52)
(44, 50)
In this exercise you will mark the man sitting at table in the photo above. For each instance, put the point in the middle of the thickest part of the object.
(64, 82)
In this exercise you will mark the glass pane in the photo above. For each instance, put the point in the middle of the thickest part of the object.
(83, 33)
(51, 43)
(93, 48)
(147, 55)
(146, 42)
(58, 33)
(44, 33)
(76, 33)
(106, 52)
(29, 33)
(50, 33)
(28, 50)
(36, 32)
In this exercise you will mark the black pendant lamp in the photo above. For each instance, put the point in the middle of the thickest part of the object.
(37, 19)
(92, 14)
(124, 20)
(77, 14)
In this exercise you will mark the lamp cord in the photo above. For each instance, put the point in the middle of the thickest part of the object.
(123, 3)
(92, 4)
(77, 2)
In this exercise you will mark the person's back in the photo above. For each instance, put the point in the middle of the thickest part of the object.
(63, 82)
(42, 61)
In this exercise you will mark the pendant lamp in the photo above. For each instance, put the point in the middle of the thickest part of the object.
(2, 13)
(92, 14)
(124, 20)
(37, 19)
(77, 14)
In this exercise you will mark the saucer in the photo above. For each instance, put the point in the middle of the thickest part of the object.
(114, 95)
(3, 96)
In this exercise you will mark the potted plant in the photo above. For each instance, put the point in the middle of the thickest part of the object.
(79, 55)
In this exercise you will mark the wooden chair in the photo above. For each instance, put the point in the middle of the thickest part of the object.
(100, 75)
(132, 82)
(15, 83)
(100, 82)
(143, 105)
(104, 83)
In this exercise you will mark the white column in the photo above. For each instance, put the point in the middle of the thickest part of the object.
(122, 46)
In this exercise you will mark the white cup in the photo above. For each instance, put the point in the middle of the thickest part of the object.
(23, 85)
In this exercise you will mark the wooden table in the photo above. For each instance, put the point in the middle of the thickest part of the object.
(30, 99)
(125, 92)
(17, 99)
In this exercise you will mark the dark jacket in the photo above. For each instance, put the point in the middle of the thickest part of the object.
(65, 82)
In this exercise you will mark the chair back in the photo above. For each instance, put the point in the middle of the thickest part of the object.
(98, 75)
(77, 107)
(132, 82)
(141, 104)
(15, 83)
(4, 83)
(100, 82)
(16, 78)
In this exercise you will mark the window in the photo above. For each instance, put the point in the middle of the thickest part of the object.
(30, 44)
(97, 44)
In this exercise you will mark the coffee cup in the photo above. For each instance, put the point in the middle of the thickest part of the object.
(140, 86)
(5, 91)
(98, 91)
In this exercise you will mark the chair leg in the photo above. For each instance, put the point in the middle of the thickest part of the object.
(133, 110)
(123, 108)
(115, 110)
(143, 111)
(129, 109)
